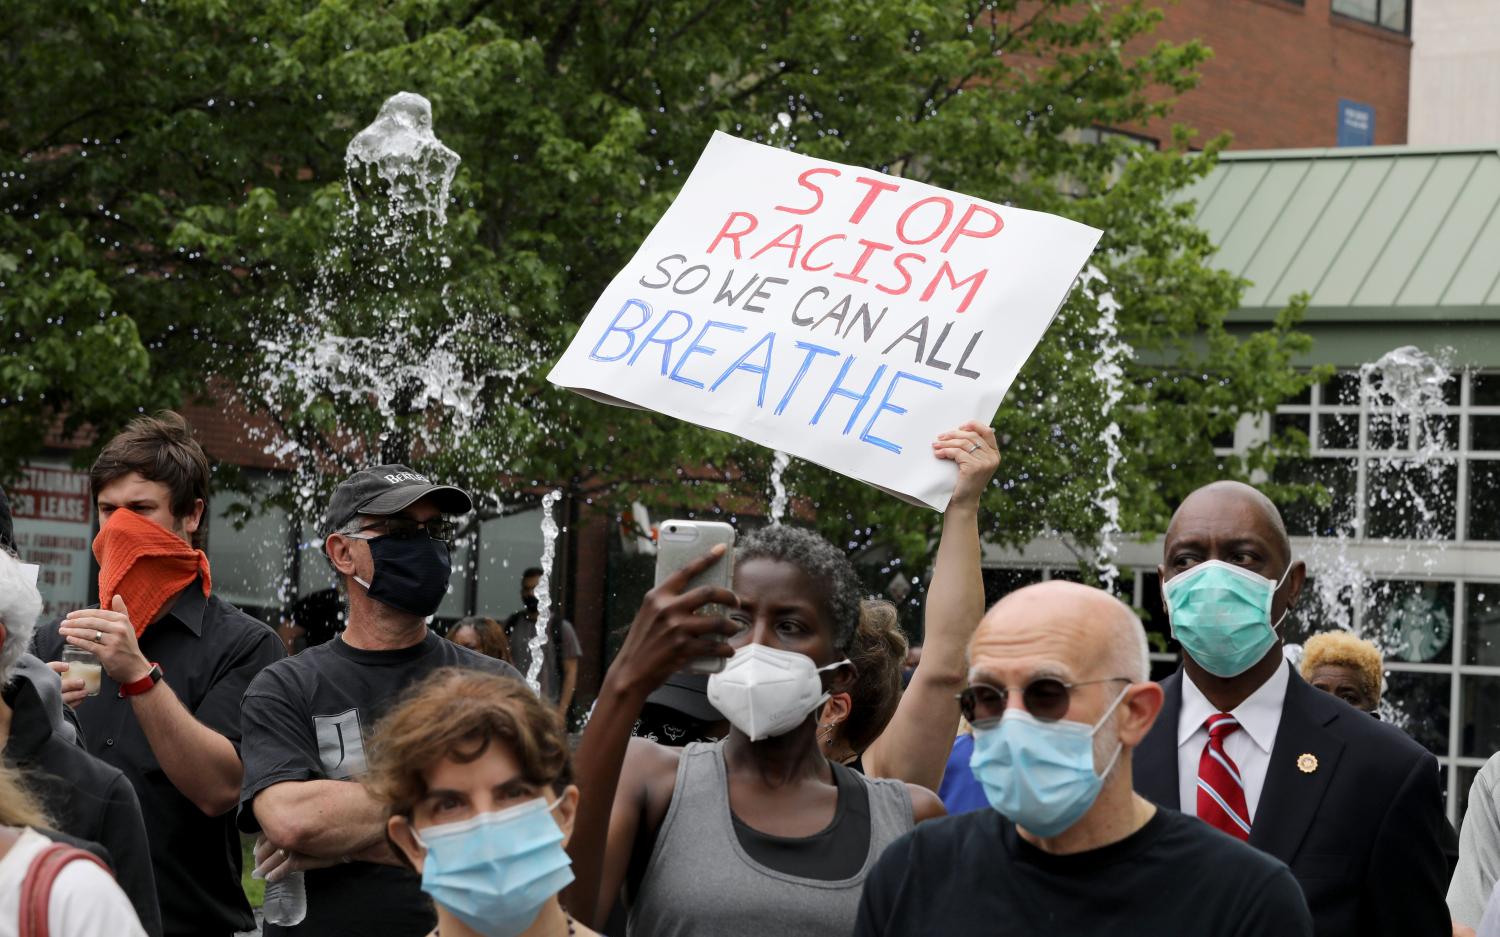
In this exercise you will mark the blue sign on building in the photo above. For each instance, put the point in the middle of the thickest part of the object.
(1356, 123)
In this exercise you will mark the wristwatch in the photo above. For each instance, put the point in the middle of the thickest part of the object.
(137, 687)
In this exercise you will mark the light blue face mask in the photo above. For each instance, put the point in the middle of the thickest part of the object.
(1221, 615)
(495, 871)
(1040, 774)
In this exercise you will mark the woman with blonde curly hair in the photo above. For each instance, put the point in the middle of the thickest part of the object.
(1348, 667)
(475, 774)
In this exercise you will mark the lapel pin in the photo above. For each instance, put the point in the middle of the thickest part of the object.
(1307, 763)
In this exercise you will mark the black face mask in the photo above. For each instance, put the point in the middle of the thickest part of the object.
(411, 574)
(531, 603)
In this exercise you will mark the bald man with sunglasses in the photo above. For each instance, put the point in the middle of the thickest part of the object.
(1059, 696)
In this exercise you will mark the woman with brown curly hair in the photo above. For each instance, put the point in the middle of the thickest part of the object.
(485, 635)
(475, 773)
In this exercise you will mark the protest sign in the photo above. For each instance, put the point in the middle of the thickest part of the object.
(842, 315)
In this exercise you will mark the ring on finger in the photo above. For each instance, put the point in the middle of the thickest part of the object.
(98, 637)
(976, 447)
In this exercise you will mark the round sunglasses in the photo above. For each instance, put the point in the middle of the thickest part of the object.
(1046, 698)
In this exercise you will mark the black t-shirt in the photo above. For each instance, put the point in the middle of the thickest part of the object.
(972, 874)
(309, 718)
(209, 651)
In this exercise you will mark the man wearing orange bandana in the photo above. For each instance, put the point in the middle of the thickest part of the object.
(175, 661)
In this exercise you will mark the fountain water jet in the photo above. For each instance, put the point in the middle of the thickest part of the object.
(779, 462)
(1109, 371)
(535, 647)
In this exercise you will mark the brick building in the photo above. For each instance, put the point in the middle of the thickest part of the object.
(1281, 69)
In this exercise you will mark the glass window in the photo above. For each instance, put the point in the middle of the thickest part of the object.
(1411, 502)
(1392, 14)
(1412, 620)
(507, 546)
(1481, 715)
(1366, 10)
(1301, 422)
(1420, 704)
(1484, 500)
(1338, 431)
(1307, 518)
(1342, 389)
(314, 573)
(249, 564)
(1482, 630)
(1484, 390)
(1484, 433)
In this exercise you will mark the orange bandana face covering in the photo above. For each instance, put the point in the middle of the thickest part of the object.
(144, 564)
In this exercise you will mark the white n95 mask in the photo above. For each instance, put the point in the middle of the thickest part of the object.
(764, 692)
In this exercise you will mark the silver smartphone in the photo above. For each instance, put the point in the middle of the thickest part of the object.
(678, 543)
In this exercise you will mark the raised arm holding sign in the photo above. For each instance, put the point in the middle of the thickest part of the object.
(839, 314)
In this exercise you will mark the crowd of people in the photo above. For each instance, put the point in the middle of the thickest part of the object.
(1019, 773)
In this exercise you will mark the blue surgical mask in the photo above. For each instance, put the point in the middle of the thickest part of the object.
(495, 871)
(1221, 615)
(1040, 774)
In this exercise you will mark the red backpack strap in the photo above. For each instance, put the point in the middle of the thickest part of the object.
(36, 889)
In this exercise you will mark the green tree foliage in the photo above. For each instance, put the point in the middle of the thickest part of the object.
(173, 180)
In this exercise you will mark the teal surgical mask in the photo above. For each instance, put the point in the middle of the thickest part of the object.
(495, 871)
(1040, 774)
(1221, 615)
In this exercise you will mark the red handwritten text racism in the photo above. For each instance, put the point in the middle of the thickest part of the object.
(905, 257)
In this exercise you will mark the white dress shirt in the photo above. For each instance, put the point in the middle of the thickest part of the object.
(1249, 747)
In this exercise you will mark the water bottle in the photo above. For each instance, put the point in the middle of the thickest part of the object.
(286, 901)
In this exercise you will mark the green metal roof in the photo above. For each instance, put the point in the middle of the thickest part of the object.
(1381, 232)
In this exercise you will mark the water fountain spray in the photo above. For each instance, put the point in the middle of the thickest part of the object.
(779, 462)
(541, 632)
(1109, 371)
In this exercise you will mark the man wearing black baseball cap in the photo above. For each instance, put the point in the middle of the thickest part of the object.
(306, 719)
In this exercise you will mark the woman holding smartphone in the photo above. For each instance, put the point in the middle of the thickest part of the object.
(759, 830)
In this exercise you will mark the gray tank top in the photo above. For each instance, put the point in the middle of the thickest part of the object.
(700, 880)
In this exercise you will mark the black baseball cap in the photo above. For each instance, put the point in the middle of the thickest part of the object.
(687, 693)
(389, 489)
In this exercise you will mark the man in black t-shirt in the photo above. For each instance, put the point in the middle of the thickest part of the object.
(1059, 698)
(308, 718)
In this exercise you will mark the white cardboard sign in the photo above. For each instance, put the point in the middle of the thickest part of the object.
(842, 315)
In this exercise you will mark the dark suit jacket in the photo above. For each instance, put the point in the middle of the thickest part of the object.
(1361, 832)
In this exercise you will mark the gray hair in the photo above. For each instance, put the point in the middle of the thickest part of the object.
(20, 604)
(820, 561)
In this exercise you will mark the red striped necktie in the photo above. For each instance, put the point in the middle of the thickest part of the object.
(1221, 793)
